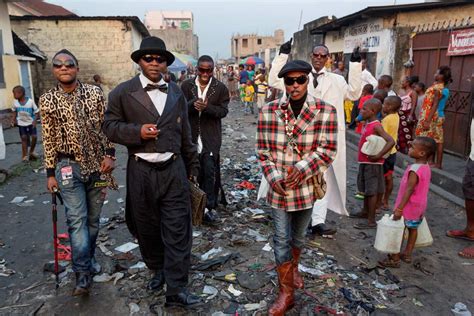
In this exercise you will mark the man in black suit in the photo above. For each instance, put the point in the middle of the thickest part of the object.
(208, 101)
(150, 117)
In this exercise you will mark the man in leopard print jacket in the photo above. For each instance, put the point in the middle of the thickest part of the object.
(78, 159)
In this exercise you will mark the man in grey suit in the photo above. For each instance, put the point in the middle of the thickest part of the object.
(150, 117)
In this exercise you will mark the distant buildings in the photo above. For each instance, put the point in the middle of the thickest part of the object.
(264, 47)
(176, 29)
(36, 8)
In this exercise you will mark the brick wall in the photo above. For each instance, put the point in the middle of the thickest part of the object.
(102, 47)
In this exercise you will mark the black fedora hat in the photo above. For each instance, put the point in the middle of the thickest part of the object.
(152, 45)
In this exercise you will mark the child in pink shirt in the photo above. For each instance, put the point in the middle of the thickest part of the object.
(412, 196)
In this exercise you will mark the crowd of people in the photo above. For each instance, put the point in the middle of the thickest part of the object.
(173, 135)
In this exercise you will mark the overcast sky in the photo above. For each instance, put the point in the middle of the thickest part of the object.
(216, 20)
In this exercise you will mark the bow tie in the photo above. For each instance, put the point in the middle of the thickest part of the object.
(162, 87)
(315, 78)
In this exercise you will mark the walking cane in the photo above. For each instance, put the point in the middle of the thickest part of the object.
(55, 233)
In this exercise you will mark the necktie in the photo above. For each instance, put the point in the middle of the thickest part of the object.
(162, 87)
(315, 78)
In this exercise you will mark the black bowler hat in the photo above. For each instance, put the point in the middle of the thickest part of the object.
(153, 45)
(295, 65)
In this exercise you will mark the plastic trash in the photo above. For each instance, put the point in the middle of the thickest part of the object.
(267, 247)
(460, 309)
(387, 287)
(134, 308)
(311, 271)
(129, 246)
(18, 199)
(211, 291)
(389, 235)
(211, 253)
(234, 291)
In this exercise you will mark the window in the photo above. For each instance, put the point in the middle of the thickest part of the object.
(245, 43)
(259, 41)
(2, 76)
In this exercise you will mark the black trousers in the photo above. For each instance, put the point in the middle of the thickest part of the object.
(160, 207)
(208, 176)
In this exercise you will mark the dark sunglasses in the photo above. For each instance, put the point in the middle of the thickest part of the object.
(149, 59)
(205, 70)
(320, 55)
(289, 81)
(67, 63)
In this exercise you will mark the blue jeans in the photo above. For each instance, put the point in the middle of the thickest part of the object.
(290, 231)
(83, 203)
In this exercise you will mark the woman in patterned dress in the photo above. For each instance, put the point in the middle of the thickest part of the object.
(406, 113)
(428, 121)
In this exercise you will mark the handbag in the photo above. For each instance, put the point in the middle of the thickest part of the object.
(198, 203)
(320, 186)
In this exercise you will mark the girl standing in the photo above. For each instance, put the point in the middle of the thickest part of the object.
(412, 197)
(406, 113)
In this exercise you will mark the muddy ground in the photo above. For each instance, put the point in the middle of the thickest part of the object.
(342, 274)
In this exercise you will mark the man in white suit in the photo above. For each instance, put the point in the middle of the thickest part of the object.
(333, 89)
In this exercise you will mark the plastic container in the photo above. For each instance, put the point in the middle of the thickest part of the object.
(2, 144)
(389, 235)
(424, 238)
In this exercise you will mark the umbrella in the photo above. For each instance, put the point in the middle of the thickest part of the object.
(252, 60)
(177, 65)
(186, 59)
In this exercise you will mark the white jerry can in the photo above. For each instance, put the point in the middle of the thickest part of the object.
(389, 235)
(424, 237)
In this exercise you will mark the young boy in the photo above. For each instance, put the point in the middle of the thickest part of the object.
(367, 92)
(262, 87)
(248, 99)
(370, 179)
(385, 83)
(390, 124)
(25, 118)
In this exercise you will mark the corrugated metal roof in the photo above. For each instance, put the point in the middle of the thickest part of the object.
(41, 8)
(378, 11)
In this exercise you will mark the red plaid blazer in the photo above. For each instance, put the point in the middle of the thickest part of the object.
(315, 135)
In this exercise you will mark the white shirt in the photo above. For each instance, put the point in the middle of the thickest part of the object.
(25, 112)
(472, 140)
(367, 78)
(159, 100)
(202, 95)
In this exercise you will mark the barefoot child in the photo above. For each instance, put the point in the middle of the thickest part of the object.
(370, 178)
(249, 96)
(26, 114)
(390, 124)
(412, 196)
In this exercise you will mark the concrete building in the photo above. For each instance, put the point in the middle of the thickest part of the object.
(255, 45)
(15, 65)
(176, 28)
(394, 38)
(304, 41)
(102, 45)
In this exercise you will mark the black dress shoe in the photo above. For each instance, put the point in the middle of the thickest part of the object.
(210, 217)
(322, 229)
(83, 283)
(183, 298)
(157, 281)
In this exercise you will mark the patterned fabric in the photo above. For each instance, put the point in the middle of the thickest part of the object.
(433, 92)
(314, 135)
(71, 124)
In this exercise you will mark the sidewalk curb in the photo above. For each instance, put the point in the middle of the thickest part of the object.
(438, 176)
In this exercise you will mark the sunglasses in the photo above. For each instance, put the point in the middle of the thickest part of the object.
(149, 59)
(205, 70)
(319, 55)
(289, 81)
(67, 63)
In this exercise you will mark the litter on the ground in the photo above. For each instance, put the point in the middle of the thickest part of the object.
(129, 246)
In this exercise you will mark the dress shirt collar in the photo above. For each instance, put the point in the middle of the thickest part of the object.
(145, 81)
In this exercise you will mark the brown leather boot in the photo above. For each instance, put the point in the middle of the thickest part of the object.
(297, 279)
(285, 299)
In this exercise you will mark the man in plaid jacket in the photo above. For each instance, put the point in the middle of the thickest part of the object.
(296, 139)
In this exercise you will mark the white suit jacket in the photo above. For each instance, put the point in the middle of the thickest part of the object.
(333, 89)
